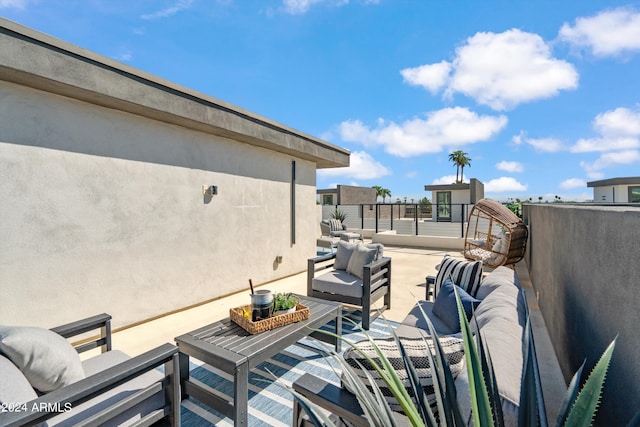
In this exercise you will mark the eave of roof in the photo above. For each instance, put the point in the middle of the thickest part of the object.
(42, 62)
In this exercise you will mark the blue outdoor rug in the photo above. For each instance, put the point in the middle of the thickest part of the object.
(269, 404)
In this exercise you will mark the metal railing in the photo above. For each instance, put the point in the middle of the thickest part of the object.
(408, 219)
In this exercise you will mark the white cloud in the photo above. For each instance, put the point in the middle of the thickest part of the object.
(362, 166)
(618, 122)
(447, 179)
(571, 183)
(432, 77)
(608, 33)
(619, 129)
(499, 70)
(299, 7)
(503, 184)
(607, 160)
(178, 6)
(510, 166)
(548, 145)
(16, 4)
(449, 127)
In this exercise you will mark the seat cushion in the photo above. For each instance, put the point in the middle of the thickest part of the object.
(338, 282)
(416, 349)
(46, 359)
(100, 363)
(464, 273)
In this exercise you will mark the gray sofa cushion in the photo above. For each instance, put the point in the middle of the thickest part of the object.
(45, 358)
(93, 406)
(14, 387)
(360, 257)
(415, 319)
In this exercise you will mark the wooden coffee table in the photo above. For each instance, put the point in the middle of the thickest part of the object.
(233, 350)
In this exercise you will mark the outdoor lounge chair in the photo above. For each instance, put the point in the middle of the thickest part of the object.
(332, 227)
(352, 283)
(495, 235)
(108, 389)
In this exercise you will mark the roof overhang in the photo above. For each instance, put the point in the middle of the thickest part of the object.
(39, 61)
(632, 180)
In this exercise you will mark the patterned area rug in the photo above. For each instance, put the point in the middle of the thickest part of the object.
(269, 404)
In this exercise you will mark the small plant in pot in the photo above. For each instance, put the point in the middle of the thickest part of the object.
(284, 303)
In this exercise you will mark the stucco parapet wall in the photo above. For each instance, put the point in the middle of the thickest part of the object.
(39, 61)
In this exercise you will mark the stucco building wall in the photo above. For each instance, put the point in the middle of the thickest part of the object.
(110, 216)
(102, 169)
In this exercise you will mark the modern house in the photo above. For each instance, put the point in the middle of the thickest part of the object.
(347, 195)
(125, 193)
(451, 198)
(616, 190)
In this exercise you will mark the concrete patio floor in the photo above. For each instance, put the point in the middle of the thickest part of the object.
(410, 266)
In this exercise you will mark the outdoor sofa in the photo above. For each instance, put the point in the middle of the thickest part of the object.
(500, 316)
(42, 379)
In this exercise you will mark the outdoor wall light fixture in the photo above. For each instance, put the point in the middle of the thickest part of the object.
(209, 190)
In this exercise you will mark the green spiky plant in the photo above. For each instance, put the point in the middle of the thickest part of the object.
(578, 409)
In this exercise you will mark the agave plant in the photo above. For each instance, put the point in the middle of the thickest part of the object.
(579, 407)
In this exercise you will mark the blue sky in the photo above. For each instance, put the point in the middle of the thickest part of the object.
(544, 96)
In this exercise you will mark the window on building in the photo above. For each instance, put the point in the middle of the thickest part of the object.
(634, 194)
(327, 199)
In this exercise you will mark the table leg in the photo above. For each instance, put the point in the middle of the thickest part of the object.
(338, 329)
(241, 395)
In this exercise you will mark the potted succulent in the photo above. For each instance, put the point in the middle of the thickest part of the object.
(284, 303)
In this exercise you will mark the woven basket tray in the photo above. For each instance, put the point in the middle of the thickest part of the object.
(236, 315)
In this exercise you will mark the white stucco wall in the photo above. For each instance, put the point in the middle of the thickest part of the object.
(103, 211)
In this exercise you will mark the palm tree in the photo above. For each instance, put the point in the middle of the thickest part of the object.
(385, 193)
(382, 192)
(460, 159)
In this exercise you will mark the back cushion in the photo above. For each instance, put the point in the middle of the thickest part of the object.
(464, 273)
(343, 255)
(14, 387)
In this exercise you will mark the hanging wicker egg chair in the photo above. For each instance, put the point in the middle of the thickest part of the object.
(495, 235)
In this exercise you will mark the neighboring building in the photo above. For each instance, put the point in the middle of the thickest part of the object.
(128, 194)
(616, 190)
(452, 200)
(347, 195)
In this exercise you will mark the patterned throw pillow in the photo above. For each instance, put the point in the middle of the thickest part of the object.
(416, 349)
(464, 273)
(335, 225)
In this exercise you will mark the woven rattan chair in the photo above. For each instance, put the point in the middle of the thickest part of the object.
(495, 235)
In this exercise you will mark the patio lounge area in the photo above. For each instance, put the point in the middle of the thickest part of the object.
(410, 266)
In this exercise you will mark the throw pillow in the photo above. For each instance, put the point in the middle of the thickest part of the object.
(335, 225)
(446, 308)
(464, 273)
(45, 358)
(343, 255)
(361, 256)
(416, 349)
